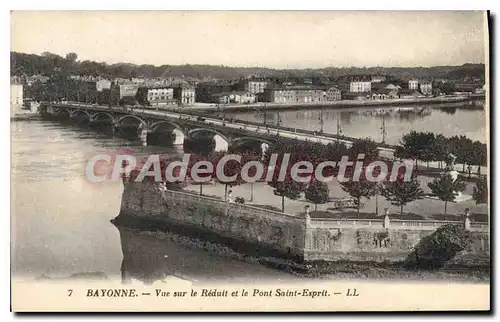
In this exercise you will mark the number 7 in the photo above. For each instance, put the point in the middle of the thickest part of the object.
(70, 291)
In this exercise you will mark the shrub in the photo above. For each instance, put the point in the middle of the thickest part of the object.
(435, 250)
(239, 200)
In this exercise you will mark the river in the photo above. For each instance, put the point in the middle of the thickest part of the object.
(368, 122)
(61, 225)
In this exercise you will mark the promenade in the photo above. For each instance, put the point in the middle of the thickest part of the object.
(209, 107)
(425, 209)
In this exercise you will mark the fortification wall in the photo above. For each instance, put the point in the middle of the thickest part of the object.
(256, 226)
(276, 234)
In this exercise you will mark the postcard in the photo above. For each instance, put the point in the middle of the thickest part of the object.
(250, 161)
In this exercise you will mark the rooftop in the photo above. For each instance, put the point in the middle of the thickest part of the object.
(409, 91)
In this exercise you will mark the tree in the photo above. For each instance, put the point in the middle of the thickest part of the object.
(232, 170)
(360, 188)
(427, 147)
(461, 147)
(409, 147)
(317, 193)
(416, 145)
(440, 149)
(289, 189)
(127, 100)
(252, 171)
(367, 147)
(400, 192)
(194, 159)
(478, 155)
(72, 57)
(480, 191)
(446, 189)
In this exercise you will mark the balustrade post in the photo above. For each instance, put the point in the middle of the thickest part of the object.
(307, 216)
(387, 220)
(467, 219)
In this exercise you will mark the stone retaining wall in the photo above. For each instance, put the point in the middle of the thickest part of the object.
(269, 233)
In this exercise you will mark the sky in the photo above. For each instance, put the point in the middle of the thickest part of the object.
(274, 39)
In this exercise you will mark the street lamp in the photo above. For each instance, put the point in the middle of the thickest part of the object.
(265, 114)
(279, 123)
(382, 129)
(321, 122)
(339, 129)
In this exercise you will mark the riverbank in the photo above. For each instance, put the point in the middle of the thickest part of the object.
(208, 107)
(25, 116)
(478, 273)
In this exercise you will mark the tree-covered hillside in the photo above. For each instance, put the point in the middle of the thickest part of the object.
(48, 64)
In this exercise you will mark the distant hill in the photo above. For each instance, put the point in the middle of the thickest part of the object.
(48, 64)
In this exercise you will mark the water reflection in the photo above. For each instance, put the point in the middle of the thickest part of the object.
(451, 119)
(148, 258)
(449, 110)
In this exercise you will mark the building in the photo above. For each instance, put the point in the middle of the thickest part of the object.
(221, 98)
(123, 93)
(36, 79)
(184, 94)
(156, 96)
(354, 96)
(425, 88)
(103, 84)
(235, 97)
(16, 96)
(465, 87)
(294, 94)
(333, 94)
(242, 97)
(86, 92)
(384, 93)
(279, 95)
(378, 78)
(255, 86)
(410, 93)
(392, 87)
(205, 91)
(360, 86)
(413, 84)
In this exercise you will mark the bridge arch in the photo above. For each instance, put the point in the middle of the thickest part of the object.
(264, 144)
(154, 126)
(177, 131)
(96, 116)
(120, 120)
(141, 129)
(73, 113)
(221, 141)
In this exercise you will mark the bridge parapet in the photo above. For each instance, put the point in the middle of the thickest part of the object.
(226, 128)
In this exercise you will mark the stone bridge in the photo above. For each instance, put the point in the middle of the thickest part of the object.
(180, 126)
(184, 126)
